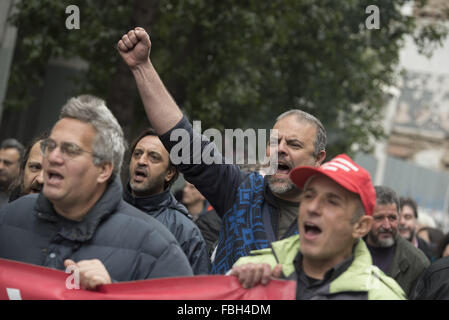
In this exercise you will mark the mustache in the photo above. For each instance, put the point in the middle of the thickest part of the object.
(283, 158)
(382, 230)
(37, 186)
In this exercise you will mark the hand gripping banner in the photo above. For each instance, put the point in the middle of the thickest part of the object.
(29, 282)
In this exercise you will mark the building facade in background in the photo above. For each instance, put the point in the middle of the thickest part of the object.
(417, 149)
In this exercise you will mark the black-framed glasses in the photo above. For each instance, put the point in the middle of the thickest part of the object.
(68, 150)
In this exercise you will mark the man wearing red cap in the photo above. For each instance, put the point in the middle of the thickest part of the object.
(328, 259)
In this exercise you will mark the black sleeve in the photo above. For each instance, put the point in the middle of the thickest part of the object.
(433, 284)
(217, 181)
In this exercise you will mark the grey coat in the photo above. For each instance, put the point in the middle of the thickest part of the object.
(130, 244)
(407, 265)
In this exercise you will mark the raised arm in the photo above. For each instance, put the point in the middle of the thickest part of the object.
(217, 182)
(160, 107)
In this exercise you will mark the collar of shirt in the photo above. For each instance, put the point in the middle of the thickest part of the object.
(415, 241)
(307, 286)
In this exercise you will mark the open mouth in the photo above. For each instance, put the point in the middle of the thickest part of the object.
(140, 174)
(311, 229)
(54, 176)
(36, 189)
(283, 168)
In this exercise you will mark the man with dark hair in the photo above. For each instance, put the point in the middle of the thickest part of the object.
(31, 178)
(151, 174)
(203, 214)
(255, 210)
(407, 227)
(11, 152)
(394, 255)
(80, 220)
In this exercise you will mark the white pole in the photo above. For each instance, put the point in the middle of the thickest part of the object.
(381, 146)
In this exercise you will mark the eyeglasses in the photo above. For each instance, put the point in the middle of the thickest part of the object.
(68, 150)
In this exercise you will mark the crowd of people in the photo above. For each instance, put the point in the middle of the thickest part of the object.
(321, 224)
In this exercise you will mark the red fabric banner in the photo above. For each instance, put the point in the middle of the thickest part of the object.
(30, 282)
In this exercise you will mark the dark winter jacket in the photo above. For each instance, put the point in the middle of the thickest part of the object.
(407, 265)
(209, 224)
(428, 250)
(130, 244)
(243, 200)
(172, 214)
(434, 282)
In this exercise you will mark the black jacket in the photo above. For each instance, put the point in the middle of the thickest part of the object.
(130, 244)
(434, 283)
(209, 224)
(428, 250)
(172, 214)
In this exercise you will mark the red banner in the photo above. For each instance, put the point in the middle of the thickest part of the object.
(30, 282)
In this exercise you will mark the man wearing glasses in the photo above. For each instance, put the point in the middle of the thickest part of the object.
(79, 219)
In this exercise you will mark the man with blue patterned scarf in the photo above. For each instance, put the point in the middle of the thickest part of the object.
(255, 210)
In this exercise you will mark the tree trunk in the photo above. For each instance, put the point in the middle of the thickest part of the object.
(123, 90)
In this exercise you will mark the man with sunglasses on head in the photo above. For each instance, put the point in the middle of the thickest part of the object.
(79, 220)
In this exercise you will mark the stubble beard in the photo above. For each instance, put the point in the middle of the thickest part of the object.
(148, 187)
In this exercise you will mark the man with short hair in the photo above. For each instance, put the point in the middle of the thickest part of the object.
(255, 210)
(329, 259)
(203, 214)
(79, 220)
(11, 152)
(407, 227)
(394, 255)
(151, 174)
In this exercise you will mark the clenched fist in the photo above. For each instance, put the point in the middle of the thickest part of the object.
(134, 47)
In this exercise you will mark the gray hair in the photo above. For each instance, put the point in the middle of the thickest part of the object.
(109, 143)
(385, 195)
(320, 138)
(359, 212)
(12, 143)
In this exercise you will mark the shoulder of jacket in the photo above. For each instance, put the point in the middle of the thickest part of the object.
(413, 254)
(362, 277)
(20, 208)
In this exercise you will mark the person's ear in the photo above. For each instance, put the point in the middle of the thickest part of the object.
(320, 158)
(170, 173)
(105, 171)
(362, 227)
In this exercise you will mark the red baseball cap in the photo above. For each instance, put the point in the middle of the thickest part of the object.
(346, 173)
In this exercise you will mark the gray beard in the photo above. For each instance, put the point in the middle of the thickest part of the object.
(386, 243)
(282, 188)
